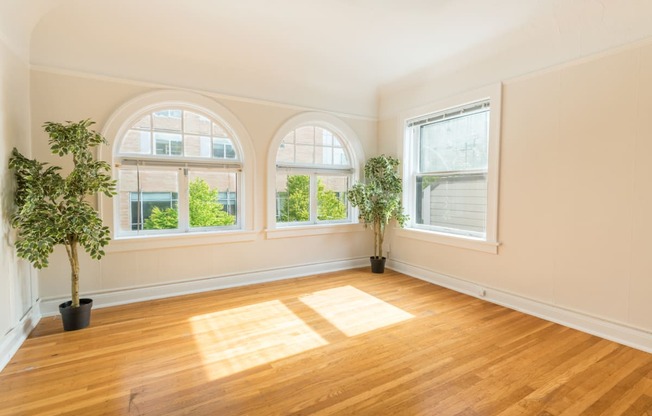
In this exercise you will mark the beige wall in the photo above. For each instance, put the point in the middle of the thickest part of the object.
(58, 97)
(17, 290)
(575, 198)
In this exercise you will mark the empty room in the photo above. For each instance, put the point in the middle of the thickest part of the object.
(326, 207)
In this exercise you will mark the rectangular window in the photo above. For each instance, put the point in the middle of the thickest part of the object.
(451, 178)
(311, 198)
(173, 199)
(451, 173)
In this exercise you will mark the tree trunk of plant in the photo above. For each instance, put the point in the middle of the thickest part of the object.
(379, 231)
(74, 278)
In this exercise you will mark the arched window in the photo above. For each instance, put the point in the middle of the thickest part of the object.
(314, 167)
(179, 171)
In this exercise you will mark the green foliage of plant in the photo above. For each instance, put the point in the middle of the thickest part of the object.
(379, 198)
(205, 210)
(52, 209)
(329, 206)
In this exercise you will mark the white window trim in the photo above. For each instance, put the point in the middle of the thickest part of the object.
(130, 112)
(157, 241)
(407, 151)
(313, 229)
(355, 152)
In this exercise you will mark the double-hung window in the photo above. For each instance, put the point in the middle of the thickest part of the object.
(313, 173)
(178, 171)
(451, 171)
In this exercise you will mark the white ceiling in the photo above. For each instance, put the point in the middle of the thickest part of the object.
(328, 54)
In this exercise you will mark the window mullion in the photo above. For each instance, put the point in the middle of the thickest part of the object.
(139, 207)
(313, 198)
(184, 201)
(414, 162)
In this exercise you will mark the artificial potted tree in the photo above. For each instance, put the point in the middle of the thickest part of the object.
(53, 210)
(378, 200)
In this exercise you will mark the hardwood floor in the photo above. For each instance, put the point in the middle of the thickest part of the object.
(346, 343)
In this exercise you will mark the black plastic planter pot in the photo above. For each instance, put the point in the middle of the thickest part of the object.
(377, 264)
(76, 318)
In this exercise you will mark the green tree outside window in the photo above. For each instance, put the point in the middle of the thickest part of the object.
(296, 207)
(204, 209)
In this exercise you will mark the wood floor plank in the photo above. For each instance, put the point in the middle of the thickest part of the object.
(345, 343)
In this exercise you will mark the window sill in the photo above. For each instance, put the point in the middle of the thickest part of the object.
(178, 240)
(449, 240)
(308, 230)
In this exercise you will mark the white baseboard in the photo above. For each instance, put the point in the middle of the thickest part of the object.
(622, 334)
(50, 306)
(12, 340)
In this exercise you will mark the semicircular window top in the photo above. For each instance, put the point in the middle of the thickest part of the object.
(314, 171)
(178, 171)
(178, 133)
(310, 146)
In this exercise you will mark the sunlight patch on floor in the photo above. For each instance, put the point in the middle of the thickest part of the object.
(237, 339)
(353, 311)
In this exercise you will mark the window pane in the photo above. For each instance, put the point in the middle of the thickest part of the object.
(223, 149)
(137, 142)
(155, 206)
(197, 146)
(219, 131)
(292, 198)
(127, 183)
(165, 202)
(331, 197)
(324, 155)
(305, 135)
(289, 138)
(168, 144)
(212, 198)
(167, 120)
(230, 151)
(144, 123)
(285, 153)
(456, 202)
(455, 144)
(219, 150)
(304, 154)
(196, 124)
(323, 137)
(339, 157)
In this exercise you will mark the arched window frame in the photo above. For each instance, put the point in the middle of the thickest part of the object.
(354, 151)
(125, 117)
